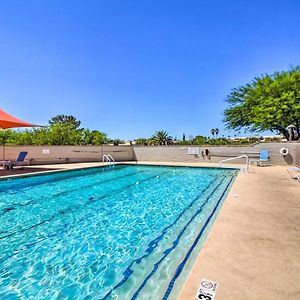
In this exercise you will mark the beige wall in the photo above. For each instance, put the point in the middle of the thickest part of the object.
(179, 153)
(298, 157)
(72, 153)
(151, 153)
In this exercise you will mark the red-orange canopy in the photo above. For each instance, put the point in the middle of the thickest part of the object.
(8, 121)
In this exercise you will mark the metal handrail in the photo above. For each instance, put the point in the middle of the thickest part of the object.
(237, 157)
(107, 158)
(111, 158)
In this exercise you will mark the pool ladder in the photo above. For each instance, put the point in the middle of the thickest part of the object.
(108, 160)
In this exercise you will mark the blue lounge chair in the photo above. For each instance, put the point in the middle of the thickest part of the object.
(263, 158)
(20, 161)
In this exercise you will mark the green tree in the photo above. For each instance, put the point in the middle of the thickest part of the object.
(269, 102)
(161, 137)
(66, 120)
(64, 134)
(63, 131)
(141, 141)
(116, 142)
(98, 138)
(41, 136)
(200, 140)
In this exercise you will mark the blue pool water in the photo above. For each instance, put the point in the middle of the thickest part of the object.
(123, 233)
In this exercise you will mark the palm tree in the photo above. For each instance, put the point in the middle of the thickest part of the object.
(161, 137)
(213, 131)
(216, 132)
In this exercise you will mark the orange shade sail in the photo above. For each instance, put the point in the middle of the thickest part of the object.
(9, 121)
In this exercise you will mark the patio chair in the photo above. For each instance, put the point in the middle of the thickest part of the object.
(20, 161)
(294, 172)
(6, 164)
(263, 158)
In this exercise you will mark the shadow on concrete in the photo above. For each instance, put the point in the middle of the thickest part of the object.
(289, 159)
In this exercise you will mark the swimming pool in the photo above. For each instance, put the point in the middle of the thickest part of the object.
(120, 233)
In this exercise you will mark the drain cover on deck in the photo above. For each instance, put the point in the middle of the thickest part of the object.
(207, 290)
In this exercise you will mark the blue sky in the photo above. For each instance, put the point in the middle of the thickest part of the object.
(132, 67)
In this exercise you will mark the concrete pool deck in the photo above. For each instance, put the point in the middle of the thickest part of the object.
(253, 248)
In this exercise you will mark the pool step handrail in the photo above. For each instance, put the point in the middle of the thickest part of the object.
(245, 169)
(108, 160)
(111, 158)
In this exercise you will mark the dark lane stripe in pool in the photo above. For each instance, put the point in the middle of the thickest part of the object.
(188, 254)
(175, 243)
(151, 246)
(128, 272)
(69, 210)
(14, 206)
